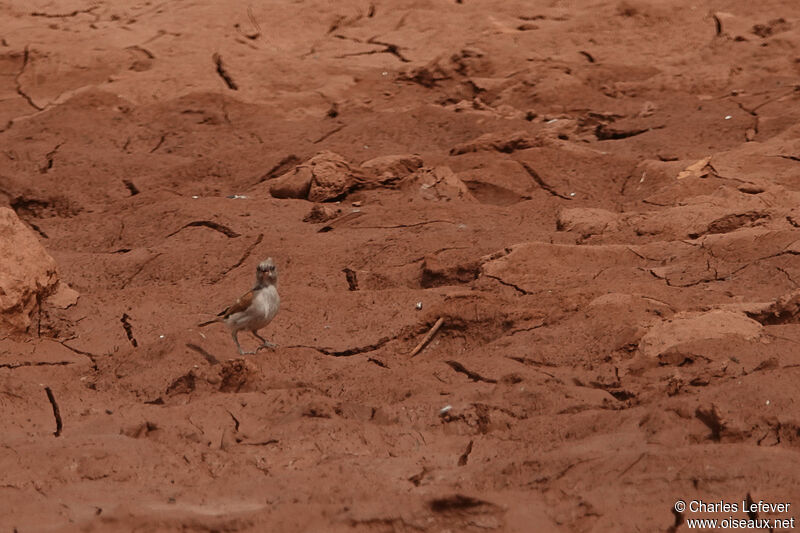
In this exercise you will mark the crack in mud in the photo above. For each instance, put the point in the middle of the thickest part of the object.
(539, 181)
(145, 51)
(128, 329)
(785, 273)
(716, 277)
(400, 226)
(508, 284)
(678, 520)
(242, 259)
(133, 189)
(385, 524)
(20, 91)
(324, 136)
(12, 366)
(139, 270)
(56, 411)
(38, 230)
(74, 13)
(416, 479)
(348, 352)
(388, 48)
(158, 144)
(260, 443)
(48, 164)
(88, 355)
(235, 421)
(522, 330)
(456, 502)
(377, 362)
(224, 73)
(474, 376)
(462, 461)
(537, 365)
(216, 226)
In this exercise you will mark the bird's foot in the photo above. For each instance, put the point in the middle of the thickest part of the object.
(267, 344)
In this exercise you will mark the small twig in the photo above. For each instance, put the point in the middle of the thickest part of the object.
(428, 337)
(56, 411)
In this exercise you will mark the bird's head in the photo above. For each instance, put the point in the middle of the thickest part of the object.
(266, 272)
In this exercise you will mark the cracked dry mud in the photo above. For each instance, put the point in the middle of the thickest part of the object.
(598, 199)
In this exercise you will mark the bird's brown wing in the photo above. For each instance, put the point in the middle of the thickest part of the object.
(240, 305)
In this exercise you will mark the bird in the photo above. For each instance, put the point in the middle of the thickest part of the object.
(254, 309)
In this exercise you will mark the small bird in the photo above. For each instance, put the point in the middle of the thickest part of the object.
(254, 309)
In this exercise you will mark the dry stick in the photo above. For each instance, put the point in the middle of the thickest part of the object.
(428, 337)
(56, 411)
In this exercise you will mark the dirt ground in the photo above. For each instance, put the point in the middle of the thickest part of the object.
(600, 200)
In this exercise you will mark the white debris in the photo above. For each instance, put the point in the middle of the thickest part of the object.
(444, 410)
(728, 117)
(418, 306)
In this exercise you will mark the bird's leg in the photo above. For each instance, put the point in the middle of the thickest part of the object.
(264, 342)
(235, 335)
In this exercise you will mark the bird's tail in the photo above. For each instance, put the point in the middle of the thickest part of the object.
(204, 324)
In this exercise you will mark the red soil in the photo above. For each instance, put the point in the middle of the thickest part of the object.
(606, 218)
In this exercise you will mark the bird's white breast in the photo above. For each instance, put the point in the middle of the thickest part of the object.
(261, 311)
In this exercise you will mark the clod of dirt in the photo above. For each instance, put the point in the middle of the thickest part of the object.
(238, 375)
(30, 207)
(711, 417)
(686, 327)
(325, 177)
(28, 273)
(772, 27)
(586, 221)
(735, 221)
(698, 169)
(457, 503)
(387, 170)
(140, 430)
(63, 297)
(439, 183)
(437, 271)
(183, 385)
(322, 213)
(506, 143)
(785, 310)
